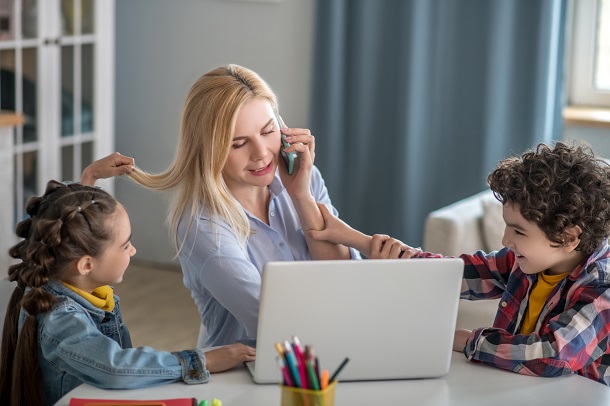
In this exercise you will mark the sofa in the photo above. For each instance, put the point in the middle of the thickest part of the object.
(464, 227)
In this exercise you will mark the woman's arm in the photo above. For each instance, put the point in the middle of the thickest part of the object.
(300, 186)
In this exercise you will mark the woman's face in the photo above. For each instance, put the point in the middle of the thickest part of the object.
(254, 149)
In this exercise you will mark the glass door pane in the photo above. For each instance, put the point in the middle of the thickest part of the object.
(7, 80)
(67, 162)
(88, 21)
(87, 88)
(7, 20)
(29, 18)
(29, 89)
(67, 90)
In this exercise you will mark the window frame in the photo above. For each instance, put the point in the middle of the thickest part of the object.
(582, 56)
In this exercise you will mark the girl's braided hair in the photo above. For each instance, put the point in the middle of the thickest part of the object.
(65, 224)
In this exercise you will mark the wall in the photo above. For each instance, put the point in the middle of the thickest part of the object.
(597, 137)
(162, 47)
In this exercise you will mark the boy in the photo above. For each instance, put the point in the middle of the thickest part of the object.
(552, 274)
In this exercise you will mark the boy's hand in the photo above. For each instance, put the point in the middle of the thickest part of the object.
(385, 247)
(460, 339)
(107, 167)
(223, 358)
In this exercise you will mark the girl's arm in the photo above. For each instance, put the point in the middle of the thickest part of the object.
(107, 167)
(72, 343)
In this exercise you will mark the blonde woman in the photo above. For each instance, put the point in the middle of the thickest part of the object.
(234, 206)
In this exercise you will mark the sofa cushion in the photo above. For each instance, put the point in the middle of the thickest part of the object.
(493, 223)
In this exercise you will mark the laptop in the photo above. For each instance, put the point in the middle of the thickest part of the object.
(394, 319)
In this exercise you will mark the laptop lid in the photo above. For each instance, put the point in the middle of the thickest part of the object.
(394, 319)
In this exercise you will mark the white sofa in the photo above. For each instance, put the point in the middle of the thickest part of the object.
(474, 223)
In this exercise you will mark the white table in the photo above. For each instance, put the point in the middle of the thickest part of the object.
(466, 384)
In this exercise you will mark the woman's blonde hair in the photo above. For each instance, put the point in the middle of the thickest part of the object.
(206, 133)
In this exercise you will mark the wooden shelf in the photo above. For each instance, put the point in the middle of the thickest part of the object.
(10, 119)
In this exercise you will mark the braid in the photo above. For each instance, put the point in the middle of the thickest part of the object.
(65, 224)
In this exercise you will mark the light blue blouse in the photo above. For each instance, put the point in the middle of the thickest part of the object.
(225, 280)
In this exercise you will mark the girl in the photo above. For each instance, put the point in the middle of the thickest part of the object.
(63, 325)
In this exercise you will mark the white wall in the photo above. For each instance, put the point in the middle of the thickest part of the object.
(162, 47)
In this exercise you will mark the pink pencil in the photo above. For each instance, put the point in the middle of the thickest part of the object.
(285, 374)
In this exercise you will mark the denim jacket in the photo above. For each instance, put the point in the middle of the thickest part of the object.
(80, 343)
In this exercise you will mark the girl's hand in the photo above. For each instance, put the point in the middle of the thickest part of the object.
(223, 358)
(304, 144)
(460, 339)
(107, 167)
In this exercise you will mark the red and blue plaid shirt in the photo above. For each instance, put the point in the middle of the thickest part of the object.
(572, 332)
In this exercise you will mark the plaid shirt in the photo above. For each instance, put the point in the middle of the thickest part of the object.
(572, 332)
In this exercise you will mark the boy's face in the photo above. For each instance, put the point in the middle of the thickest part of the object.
(534, 252)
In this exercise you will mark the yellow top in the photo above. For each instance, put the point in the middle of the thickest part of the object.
(538, 295)
(102, 297)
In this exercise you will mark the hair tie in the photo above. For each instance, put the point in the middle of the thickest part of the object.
(78, 209)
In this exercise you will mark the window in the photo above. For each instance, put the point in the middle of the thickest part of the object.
(589, 64)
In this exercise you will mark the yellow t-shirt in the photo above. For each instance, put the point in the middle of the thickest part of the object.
(538, 295)
(102, 297)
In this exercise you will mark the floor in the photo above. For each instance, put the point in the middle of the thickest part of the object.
(157, 308)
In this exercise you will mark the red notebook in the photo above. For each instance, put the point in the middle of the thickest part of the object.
(156, 402)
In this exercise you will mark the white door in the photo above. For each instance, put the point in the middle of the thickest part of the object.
(57, 68)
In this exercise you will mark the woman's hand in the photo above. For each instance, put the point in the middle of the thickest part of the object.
(223, 358)
(304, 144)
(107, 167)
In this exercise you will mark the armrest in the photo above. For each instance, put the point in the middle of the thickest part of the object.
(456, 229)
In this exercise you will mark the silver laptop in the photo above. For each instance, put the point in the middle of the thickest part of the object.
(394, 319)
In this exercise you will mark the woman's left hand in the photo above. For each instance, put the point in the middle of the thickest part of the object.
(304, 144)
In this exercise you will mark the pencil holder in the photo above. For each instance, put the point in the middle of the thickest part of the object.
(308, 397)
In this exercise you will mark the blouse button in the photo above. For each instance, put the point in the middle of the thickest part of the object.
(281, 245)
(272, 213)
(503, 304)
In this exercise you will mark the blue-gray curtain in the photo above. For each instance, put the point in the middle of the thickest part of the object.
(415, 101)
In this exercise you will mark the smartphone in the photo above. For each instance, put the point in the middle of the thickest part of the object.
(288, 157)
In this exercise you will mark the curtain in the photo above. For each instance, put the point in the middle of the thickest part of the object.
(415, 101)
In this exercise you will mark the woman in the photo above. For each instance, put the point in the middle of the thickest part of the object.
(234, 206)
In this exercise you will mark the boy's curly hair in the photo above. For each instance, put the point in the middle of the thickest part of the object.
(558, 187)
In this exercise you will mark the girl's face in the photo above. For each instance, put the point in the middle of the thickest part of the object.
(255, 147)
(109, 267)
(534, 252)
